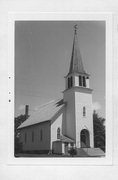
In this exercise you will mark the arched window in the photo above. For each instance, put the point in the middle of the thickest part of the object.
(84, 111)
(58, 133)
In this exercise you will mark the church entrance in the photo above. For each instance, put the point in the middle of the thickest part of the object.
(85, 138)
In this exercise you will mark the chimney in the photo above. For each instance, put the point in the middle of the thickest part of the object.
(27, 111)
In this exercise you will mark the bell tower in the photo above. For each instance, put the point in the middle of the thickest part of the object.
(78, 98)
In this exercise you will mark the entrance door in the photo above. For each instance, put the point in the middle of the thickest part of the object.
(85, 139)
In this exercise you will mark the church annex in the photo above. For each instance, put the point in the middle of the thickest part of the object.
(65, 123)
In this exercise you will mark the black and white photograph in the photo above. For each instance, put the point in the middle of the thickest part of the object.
(60, 81)
(58, 62)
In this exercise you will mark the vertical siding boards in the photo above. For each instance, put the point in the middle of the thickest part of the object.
(41, 135)
(34, 141)
(25, 138)
(32, 136)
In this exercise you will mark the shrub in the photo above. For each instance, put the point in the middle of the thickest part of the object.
(72, 151)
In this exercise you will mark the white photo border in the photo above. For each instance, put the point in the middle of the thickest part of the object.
(12, 17)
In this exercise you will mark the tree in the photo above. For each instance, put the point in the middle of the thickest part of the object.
(17, 122)
(99, 131)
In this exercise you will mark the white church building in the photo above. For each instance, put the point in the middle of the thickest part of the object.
(58, 125)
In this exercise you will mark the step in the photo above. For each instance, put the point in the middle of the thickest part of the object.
(90, 152)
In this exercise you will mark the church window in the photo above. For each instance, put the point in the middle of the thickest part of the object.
(84, 81)
(84, 111)
(71, 81)
(68, 82)
(58, 133)
(32, 136)
(80, 80)
(41, 135)
(25, 137)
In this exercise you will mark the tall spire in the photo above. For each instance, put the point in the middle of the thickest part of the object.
(76, 64)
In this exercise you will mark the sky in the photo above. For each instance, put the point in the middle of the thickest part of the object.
(42, 59)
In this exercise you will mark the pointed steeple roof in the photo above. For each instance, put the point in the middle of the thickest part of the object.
(76, 65)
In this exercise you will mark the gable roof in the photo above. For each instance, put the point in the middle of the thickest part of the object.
(44, 113)
(66, 139)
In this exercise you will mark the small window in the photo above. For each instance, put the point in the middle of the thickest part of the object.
(32, 136)
(80, 80)
(84, 81)
(71, 81)
(58, 133)
(41, 135)
(84, 111)
(25, 137)
(68, 82)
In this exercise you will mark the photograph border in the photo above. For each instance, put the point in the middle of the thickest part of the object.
(12, 17)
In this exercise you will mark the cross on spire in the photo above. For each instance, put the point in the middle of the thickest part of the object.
(75, 27)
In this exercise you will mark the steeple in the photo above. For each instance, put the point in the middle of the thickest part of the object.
(77, 120)
(76, 65)
(77, 77)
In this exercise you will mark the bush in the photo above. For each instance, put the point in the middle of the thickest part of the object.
(72, 151)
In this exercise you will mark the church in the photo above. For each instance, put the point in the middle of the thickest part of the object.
(65, 123)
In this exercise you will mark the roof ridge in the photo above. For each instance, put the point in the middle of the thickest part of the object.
(50, 102)
(45, 104)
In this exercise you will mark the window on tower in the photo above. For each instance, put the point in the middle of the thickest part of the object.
(70, 82)
(80, 80)
(84, 111)
(84, 81)
(58, 133)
